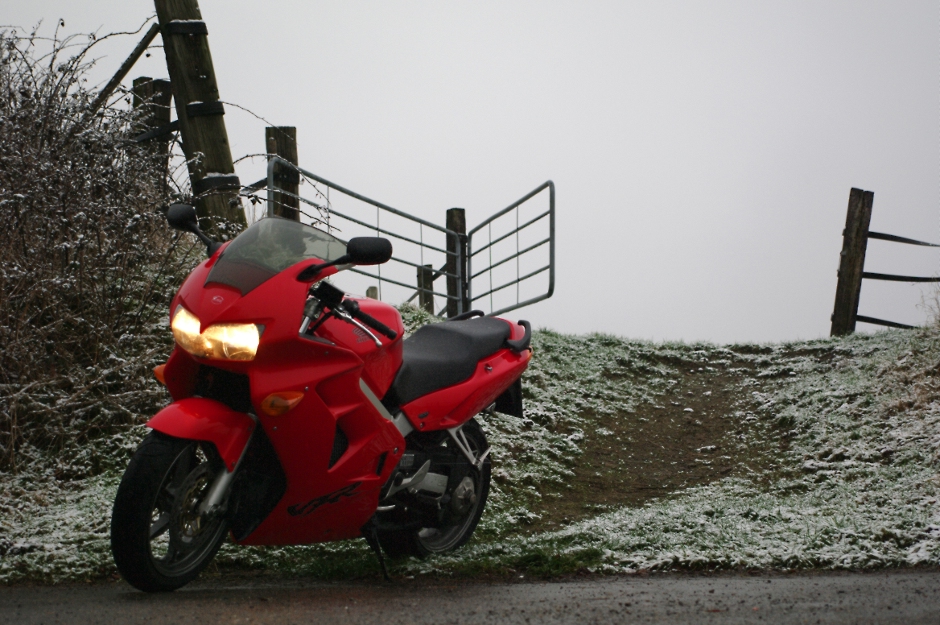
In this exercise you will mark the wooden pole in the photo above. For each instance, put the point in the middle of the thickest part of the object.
(282, 141)
(156, 95)
(457, 262)
(852, 262)
(109, 88)
(202, 127)
(426, 288)
(372, 292)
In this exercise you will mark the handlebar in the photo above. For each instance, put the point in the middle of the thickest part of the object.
(330, 296)
(352, 307)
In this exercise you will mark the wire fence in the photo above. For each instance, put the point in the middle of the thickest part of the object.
(867, 275)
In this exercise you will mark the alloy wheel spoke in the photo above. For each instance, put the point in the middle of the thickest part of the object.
(160, 524)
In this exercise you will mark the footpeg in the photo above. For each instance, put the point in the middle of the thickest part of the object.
(409, 482)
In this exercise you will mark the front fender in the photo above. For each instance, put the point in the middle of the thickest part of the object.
(201, 419)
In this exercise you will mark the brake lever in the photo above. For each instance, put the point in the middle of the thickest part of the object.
(340, 312)
(315, 306)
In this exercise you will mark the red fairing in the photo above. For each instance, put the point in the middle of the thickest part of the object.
(327, 370)
(451, 406)
(206, 420)
(328, 376)
(380, 365)
(180, 374)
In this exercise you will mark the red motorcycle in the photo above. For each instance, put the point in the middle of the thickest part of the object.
(300, 415)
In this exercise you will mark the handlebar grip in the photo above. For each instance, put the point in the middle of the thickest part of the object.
(352, 307)
(375, 324)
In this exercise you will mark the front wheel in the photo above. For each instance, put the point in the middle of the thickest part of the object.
(159, 537)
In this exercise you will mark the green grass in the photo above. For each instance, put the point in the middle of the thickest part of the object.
(817, 454)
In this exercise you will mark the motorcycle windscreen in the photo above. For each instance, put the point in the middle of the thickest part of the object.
(269, 247)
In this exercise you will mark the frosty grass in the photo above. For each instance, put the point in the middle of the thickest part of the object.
(858, 488)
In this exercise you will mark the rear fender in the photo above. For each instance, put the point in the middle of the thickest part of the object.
(452, 406)
(201, 419)
(510, 402)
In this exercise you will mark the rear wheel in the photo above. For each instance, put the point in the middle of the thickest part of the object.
(159, 538)
(467, 500)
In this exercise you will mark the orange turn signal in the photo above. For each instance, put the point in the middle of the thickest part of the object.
(276, 404)
(158, 373)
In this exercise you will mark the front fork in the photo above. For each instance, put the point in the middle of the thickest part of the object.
(222, 484)
(229, 431)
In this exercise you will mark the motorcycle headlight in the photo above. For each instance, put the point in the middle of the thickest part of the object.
(222, 341)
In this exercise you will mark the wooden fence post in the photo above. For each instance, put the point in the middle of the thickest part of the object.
(202, 127)
(156, 95)
(282, 141)
(852, 262)
(457, 262)
(426, 288)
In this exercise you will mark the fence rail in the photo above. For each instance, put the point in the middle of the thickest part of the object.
(882, 322)
(897, 239)
(519, 251)
(273, 189)
(458, 252)
(855, 238)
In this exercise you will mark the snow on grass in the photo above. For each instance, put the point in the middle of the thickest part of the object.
(859, 488)
(52, 531)
(856, 483)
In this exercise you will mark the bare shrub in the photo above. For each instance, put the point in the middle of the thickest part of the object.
(930, 305)
(87, 263)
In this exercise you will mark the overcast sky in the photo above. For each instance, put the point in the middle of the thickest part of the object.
(702, 152)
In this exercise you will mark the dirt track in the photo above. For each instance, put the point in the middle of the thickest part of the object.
(884, 597)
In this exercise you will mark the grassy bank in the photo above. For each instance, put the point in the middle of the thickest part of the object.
(632, 455)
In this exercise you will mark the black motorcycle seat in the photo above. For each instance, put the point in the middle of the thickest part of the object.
(443, 354)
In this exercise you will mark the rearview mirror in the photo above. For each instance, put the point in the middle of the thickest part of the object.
(182, 217)
(359, 251)
(368, 250)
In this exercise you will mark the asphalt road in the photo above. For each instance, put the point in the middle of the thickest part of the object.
(907, 596)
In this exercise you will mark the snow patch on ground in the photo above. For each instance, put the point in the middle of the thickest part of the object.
(858, 419)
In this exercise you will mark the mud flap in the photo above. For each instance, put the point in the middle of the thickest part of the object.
(510, 402)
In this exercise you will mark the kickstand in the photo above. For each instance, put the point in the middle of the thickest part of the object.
(371, 534)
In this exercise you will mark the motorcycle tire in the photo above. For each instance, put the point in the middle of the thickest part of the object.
(159, 540)
(427, 541)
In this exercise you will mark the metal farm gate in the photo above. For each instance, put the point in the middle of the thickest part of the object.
(504, 263)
